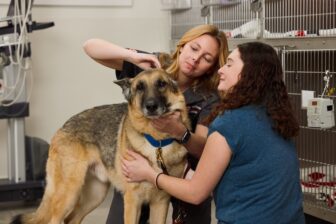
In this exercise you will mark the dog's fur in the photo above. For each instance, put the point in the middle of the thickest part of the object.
(85, 154)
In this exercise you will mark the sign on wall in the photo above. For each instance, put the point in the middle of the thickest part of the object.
(79, 2)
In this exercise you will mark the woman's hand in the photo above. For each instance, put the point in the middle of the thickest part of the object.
(144, 61)
(137, 169)
(170, 124)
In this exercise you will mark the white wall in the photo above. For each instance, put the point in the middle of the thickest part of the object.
(66, 81)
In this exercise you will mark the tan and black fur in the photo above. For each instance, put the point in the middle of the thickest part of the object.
(85, 154)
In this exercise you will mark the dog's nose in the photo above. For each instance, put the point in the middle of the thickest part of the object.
(151, 106)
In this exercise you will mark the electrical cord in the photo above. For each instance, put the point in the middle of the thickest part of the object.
(17, 57)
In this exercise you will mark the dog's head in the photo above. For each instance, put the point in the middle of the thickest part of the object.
(152, 93)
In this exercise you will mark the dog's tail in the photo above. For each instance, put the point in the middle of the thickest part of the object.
(41, 216)
(17, 220)
(43, 213)
(29, 218)
(67, 167)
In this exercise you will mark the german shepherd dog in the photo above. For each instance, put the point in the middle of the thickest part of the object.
(85, 154)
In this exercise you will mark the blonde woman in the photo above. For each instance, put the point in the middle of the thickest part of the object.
(199, 54)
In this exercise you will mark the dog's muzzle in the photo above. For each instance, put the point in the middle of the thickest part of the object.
(154, 108)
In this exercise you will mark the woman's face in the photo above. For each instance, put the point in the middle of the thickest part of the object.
(229, 74)
(198, 56)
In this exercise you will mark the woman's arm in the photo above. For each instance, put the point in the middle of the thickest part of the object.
(197, 141)
(214, 160)
(113, 56)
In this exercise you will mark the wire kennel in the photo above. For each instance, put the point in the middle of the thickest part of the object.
(309, 70)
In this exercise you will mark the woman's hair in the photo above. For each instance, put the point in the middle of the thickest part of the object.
(207, 81)
(261, 83)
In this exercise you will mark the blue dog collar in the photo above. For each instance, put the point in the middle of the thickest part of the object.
(160, 143)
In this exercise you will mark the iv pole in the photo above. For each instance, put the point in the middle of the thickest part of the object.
(14, 107)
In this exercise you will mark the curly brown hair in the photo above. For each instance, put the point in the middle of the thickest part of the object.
(261, 83)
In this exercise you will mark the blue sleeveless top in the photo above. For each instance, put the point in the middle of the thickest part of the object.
(261, 183)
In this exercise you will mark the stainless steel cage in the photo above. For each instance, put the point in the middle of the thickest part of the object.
(306, 70)
(299, 18)
(239, 19)
(183, 20)
(260, 19)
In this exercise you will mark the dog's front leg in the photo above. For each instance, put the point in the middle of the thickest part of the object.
(132, 207)
(159, 209)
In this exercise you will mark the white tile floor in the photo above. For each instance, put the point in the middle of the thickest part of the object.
(98, 216)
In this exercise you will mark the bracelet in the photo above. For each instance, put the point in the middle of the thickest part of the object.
(156, 180)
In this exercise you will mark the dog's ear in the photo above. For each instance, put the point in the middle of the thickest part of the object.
(125, 85)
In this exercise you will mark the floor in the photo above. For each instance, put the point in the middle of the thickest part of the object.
(98, 216)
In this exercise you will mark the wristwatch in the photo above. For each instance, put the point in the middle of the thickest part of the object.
(185, 137)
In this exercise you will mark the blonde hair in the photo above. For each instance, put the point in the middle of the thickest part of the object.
(205, 81)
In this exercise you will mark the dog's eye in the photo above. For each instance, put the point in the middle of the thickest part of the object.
(140, 86)
(161, 83)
